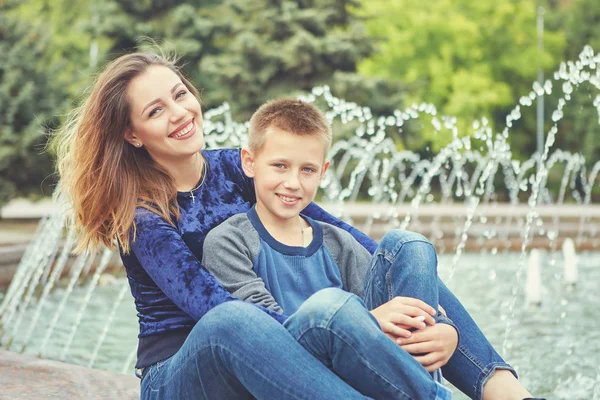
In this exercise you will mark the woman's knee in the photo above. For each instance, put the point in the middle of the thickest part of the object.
(229, 320)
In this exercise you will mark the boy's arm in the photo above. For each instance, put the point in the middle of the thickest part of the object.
(351, 257)
(228, 254)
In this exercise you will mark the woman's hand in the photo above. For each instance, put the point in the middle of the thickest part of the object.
(433, 346)
(400, 314)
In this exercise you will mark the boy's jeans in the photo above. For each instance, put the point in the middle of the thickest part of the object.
(405, 264)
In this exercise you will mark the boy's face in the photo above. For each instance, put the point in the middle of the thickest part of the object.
(287, 172)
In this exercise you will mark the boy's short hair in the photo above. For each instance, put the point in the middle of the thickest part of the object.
(289, 115)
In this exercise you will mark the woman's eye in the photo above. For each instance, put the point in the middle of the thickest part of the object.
(181, 94)
(154, 112)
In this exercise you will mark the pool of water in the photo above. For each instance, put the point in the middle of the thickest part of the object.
(554, 347)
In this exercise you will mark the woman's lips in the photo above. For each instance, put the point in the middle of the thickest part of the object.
(188, 131)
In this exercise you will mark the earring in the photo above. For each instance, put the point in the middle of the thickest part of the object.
(138, 145)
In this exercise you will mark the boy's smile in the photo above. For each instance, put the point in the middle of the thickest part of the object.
(287, 171)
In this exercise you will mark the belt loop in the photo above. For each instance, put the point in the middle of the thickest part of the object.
(139, 372)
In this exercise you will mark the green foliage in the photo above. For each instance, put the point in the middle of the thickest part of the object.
(28, 103)
(275, 48)
(248, 51)
(470, 59)
(579, 129)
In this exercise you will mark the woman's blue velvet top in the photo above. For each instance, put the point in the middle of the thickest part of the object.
(171, 288)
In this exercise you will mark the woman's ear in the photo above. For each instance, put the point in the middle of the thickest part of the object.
(131, 138)
(248, 162)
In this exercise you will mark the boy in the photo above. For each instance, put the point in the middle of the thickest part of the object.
(275, 257)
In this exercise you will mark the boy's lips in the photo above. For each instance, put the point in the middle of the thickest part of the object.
(288, 200)
(184, 131)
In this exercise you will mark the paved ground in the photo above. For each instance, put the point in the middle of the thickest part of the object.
(23, 377)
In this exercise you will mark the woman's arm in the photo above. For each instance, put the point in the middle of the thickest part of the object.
(316, 212)
(166, 258)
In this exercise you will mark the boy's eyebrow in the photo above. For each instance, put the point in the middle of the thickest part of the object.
(174, 88)
(285, 160)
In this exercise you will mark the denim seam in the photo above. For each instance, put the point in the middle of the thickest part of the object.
(359, 355)
(487, 373)
(390, 255)
(461, 348)
(223, 349)
(327, 327)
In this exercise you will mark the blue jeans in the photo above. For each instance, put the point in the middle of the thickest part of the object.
(405, 264)
(236, 351)
(336, 327)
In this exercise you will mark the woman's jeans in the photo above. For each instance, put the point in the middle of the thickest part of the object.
(405, 264)
(237, 351)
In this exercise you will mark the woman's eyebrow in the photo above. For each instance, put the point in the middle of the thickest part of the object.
(157, 100)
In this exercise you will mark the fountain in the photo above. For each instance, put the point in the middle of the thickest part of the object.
(570, 260)
(55, 308)
(533, 287)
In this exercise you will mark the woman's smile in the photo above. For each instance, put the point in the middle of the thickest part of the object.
(185, 131)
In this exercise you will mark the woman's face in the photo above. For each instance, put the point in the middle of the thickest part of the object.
(165, 117)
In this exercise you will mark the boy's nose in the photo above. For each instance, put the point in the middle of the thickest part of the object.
(292, 182)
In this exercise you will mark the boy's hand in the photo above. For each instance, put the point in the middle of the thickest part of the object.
(400, 314)
(433, 346)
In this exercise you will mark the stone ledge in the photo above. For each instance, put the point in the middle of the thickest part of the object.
(24, 377)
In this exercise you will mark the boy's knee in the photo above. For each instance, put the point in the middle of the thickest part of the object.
(331, 303)
(324, 304)
(398, 236)
(325, 298)
(414, 251)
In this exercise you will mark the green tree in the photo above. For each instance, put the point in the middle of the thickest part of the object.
(28, 105)
(245, 52)
(188, 29)
(470, 59)
(579, 128)
(278, 47)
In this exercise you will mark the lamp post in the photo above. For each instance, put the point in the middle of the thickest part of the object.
(540, 99)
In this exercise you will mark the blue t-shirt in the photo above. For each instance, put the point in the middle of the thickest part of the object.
(257, 268)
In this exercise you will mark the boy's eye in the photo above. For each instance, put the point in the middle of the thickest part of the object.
(308, 169)
(279, 165)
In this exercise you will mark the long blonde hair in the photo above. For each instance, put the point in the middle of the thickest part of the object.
(104, 177)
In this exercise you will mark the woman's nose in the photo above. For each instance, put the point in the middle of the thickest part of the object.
(178, 112)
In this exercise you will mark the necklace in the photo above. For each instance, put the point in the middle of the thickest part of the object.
(204, 172)
(303, 235)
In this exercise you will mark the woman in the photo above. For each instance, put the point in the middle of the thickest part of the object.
(130, 161)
